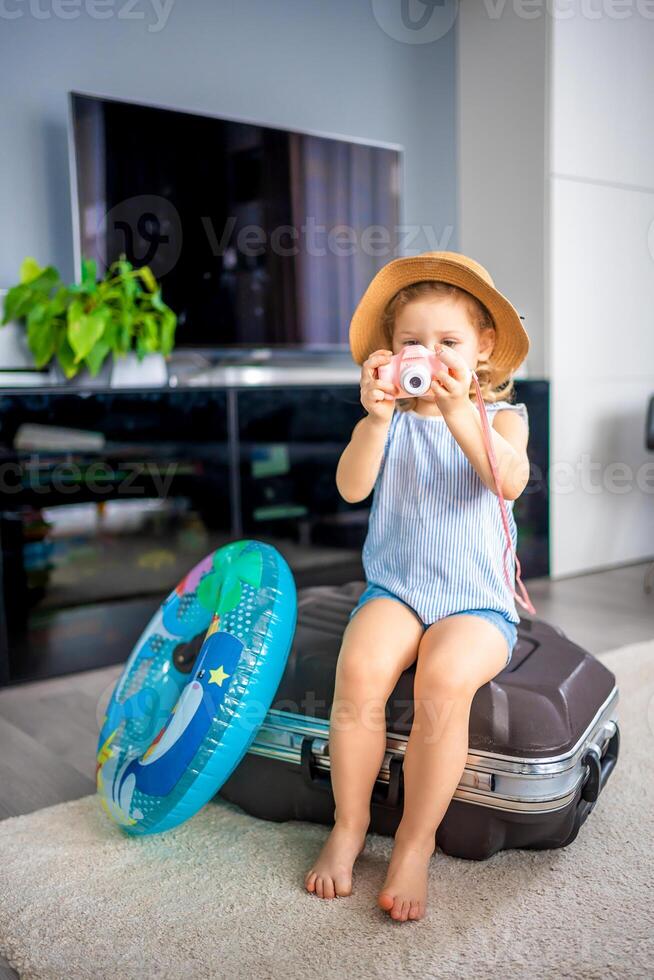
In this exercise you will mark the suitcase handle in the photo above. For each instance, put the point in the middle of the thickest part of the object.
(382, 795)
(600, 769)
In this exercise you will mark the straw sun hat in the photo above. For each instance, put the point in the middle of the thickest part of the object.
(511, 339)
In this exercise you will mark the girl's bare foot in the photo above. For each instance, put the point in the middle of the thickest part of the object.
(331, 875)
(404, 895)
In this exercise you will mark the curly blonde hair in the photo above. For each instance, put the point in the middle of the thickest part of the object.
(479, 317)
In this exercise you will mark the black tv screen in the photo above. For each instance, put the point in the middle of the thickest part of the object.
(260, 237)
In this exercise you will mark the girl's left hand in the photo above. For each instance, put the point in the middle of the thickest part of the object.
(452, 387)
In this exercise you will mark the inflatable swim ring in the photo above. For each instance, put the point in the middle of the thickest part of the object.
(196, 687)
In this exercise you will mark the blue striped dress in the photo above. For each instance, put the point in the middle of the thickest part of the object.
(435, 534)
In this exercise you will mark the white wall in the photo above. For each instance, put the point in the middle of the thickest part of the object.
(601, 289)
(556, 187)
(501, 90)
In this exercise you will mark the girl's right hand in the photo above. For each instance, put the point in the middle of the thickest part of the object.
(377, 397)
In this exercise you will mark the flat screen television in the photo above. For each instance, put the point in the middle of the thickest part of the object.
(260, 237)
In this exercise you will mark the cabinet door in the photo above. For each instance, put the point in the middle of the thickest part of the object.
(290, 442)
(109, 498)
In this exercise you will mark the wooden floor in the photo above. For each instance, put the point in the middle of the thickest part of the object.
(48, 729)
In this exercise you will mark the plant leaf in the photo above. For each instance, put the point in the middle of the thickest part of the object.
(111, 332)
(66, 356)
(41, 334)
(21, 298)
(17, 303)
(95, 358)
(29, 269)
(145, 272)
(150, 333)
(46, 279)
(130, 288)
(168, 328)
(125, 330)
(84, 329)
(141, 349)
(60, 301)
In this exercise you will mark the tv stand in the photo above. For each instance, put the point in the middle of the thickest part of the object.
(95, 534)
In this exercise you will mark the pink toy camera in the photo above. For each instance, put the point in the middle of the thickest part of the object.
(413, 369)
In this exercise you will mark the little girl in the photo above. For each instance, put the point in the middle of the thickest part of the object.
(437, 590)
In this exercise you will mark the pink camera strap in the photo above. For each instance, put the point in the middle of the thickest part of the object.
(488, 439)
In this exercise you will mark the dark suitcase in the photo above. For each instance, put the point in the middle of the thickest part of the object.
(543, 740)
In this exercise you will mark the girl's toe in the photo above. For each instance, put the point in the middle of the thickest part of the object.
(328, 888)
(385, 901)
(310, 881)
(319, 886)
(343, 886)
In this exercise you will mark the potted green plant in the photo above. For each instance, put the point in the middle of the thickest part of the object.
(77, 327)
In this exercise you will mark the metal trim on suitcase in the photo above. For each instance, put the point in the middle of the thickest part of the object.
(492, 780)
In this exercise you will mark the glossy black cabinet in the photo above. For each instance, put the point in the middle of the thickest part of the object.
(109, 496)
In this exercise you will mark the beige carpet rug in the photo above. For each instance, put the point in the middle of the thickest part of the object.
(222, 896)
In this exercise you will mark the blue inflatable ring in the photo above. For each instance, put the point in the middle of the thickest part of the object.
(170, 739)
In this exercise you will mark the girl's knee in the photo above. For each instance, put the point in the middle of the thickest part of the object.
(441, 685)
(373, 662)
(360, 676)
(442, 674)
